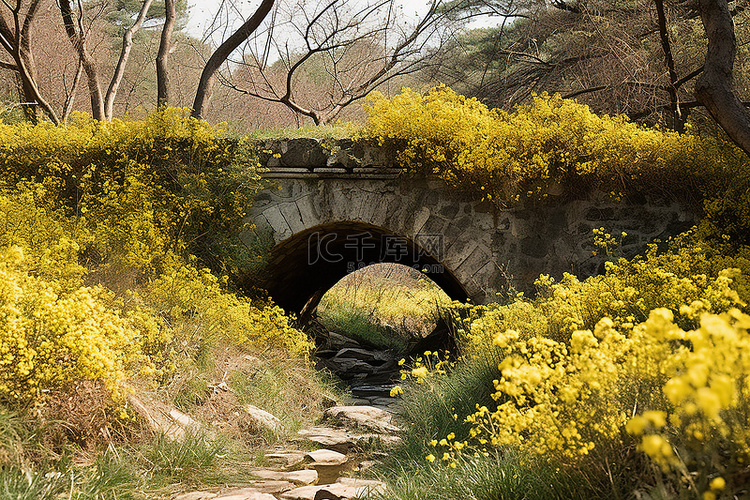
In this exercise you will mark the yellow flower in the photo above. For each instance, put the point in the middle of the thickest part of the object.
(717, 483)
(430, 457)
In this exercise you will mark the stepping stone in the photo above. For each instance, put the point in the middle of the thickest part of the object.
(245, 494)
(326, 457)
(369, 417)
(273, 487)
(298, 477)
(287, 459)
(342, 440)
(196, 495)
(301, 493)
(372, 484)
(339, 341)
(371, 357)
(342, 489)
(333, 439)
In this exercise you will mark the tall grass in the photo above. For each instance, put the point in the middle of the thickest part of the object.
(504, 475)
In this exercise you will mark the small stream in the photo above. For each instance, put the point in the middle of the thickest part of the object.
(370, 372)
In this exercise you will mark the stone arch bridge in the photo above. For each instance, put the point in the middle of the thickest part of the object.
(338, 206)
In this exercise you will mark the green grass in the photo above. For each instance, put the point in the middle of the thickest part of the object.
(439, 405)
(195, 459)
(504, 475)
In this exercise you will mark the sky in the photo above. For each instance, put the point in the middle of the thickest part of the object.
(201, 12)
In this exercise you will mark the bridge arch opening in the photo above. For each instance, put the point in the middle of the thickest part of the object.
(371, 319)
(384, 306)
(304, 266)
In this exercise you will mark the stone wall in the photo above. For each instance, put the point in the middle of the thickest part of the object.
(468, 247)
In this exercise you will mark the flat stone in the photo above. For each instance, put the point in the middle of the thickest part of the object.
(301, 493)
(186, 421)
(338, 341)
(286, 458)
(333, 439)
(262, 418)
(362, 483)
(196, 495)
(369, 417)
(298, 477)
(366, 389)
(273, 487)
(334, 491)
(245, 494)
(339, 364)
(326, 457)
(342, 441)
(161, 418)
(348, 488)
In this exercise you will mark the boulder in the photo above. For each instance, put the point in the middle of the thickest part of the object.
(262, 419)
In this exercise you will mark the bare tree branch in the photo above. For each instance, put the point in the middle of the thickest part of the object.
(77, 36)
(677, 118)
(221, 54)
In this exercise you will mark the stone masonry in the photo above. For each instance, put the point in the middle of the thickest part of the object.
(335, 207)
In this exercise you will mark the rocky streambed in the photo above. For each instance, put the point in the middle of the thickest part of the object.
(370, 372)
(327, 473)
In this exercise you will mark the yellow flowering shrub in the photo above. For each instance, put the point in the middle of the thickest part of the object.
(555, 398)
(555, 146)
(49, 340)
(29, 221)
(704, 431)
(125, 204)
(626, 294)
(142, 188)
(195, 303)
(654, 348)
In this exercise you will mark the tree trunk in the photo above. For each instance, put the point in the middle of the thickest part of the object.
(78, 40)
(208, 76)
(162, 75)
(127, 44)
(15, 42)
(714, 87)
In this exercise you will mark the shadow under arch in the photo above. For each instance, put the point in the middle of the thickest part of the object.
(304, 266)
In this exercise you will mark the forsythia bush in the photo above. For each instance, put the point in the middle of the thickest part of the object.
(555, 145)
(143, 188)
(196, 300)
(651, 354)
(704, 428)
(132, 206)
(49, 340)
